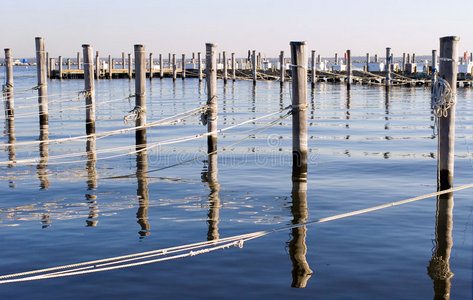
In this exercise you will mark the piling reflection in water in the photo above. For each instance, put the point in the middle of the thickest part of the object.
(91, 182)
(142, 192)
(41, 168)
(301, 271)
(439, 266)
(209, 175)
(10, 132)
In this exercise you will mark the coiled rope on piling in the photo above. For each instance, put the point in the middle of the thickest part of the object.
(188, 250)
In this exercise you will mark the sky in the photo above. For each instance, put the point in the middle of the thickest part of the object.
(267, 26)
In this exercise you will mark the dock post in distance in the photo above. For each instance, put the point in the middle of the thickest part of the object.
(348, 69)
(211, 79)
(388, 67)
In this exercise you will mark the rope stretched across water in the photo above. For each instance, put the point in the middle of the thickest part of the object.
(132, 150)
(149, 257)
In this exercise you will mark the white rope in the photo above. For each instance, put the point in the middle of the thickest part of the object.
(194, 249)
(442, 97)
(165, 121)
(130, 148)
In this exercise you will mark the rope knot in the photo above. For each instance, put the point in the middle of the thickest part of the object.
(133, 115)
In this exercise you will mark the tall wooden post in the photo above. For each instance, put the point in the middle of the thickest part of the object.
(211, 114)
(253, 65)
(89, 89)
(446, 122)
(68, 63)
(183, 66)
(233, 67)
(313, 77)
(348, 69)
(434, 66)
(299, 107)
(48, 65)
(123, 61)
(150, 66)
(376, 58)
(282, 68)
(130, 66)
(60, 67)
(42, 81)
(225, 66)
(388, 67)
(174, 67)
(336, 58)
(97, 65)
(161, 66)
(169, 61)
(9, 104)
(367, 62)
(78, 61)
(110, 67)
(404, 62)
(413, 58)
(199, 66)
(140, 95)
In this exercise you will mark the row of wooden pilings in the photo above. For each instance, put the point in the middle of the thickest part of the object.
(301, 272)
(447, 71)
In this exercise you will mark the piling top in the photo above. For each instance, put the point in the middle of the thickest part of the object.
(299, 43)
(85, 45)
(211, 44)
(450, 38)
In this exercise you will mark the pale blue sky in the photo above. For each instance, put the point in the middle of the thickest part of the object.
(264, 25)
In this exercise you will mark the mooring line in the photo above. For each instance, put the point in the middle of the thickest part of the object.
(126, 261)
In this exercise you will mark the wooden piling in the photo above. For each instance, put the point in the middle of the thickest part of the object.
(60, 67)
(169, 61)
(313, 77)
(110, 67)
(161, 66)
(130, 65)
(174, 67)
(434, 67)
(42, 81)
(413, 58)
(336, 58)
(299, 107)
(367, 61)
(183, 67)
(150, 66)
(68, 64)
(89, 89)
(140, 95)
(97, 65)
(348, 53)
(123, 61)
(233, 67)
(211, 79)
(9, 104)
(225, 66)
(282, 70)
(388, 67)
(253, 65)
(78, 61)
(446, 122)
(199, 65)
(403, 62)
(48, 65)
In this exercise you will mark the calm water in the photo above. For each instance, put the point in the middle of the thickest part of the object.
(367, 147)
